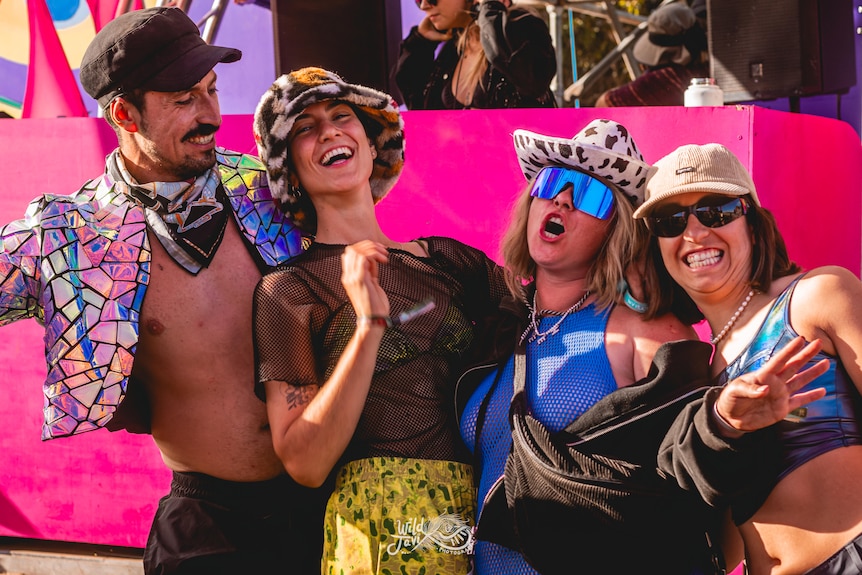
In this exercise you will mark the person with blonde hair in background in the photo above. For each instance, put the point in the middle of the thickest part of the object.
(493, 55)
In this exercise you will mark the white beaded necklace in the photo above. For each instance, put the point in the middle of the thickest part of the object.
(714, 339)
(541, 336)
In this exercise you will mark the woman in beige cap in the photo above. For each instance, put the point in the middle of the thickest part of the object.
(588, 357)
(717, 247)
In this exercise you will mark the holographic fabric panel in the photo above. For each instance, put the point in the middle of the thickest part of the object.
(74, 263)
(80, 264)
(273, 234)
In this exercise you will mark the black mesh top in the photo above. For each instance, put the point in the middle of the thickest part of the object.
(304, 320)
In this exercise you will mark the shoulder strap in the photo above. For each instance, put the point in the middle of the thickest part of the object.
(519, 407)
(520, 370)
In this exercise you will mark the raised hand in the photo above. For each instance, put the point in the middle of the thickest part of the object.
(359, 272)
(761, 398)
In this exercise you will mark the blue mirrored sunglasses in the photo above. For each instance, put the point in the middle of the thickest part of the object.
(589, 195)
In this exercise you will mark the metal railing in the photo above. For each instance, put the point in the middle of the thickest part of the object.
(209, 22)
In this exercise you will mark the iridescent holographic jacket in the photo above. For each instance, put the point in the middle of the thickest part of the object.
(80, 265)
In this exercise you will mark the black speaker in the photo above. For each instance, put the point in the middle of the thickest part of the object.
(766, 49)
(357, 40)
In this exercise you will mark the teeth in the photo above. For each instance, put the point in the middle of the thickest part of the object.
(331, 155)
(202, 139)
(703, 258)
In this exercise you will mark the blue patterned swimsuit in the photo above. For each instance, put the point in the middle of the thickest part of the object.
(820, 426)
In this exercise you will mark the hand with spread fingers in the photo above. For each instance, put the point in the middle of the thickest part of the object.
(794, 407)
(758, 399)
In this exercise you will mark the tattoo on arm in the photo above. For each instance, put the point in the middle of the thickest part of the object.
(298, 395)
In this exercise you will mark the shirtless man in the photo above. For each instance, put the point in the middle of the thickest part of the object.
(144, 280)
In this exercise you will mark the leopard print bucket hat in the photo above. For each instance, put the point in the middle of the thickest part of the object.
(603, 148)
(292, 93)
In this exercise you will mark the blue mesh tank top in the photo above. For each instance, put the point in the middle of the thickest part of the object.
(566, 375)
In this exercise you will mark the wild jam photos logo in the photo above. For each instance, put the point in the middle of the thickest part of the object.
(449, 533)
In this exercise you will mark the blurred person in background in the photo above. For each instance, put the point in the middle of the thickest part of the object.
(494, 55)
(672, 51)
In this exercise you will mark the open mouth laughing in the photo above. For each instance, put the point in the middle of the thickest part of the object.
(201, 140)
(703, 258)
(340, 154)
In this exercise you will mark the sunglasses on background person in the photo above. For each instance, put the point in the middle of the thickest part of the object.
(589, 195)
(711, 211)
(430, 3)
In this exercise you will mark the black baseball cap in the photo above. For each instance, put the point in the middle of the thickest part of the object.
(155, 49)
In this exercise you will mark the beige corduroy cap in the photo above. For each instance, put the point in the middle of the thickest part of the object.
(692, 168)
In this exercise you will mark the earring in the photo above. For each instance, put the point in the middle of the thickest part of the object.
(121, 117)
(373, 152)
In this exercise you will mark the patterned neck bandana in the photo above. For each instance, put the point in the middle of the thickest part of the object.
(189, 218)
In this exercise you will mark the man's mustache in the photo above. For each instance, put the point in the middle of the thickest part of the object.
(201, 130)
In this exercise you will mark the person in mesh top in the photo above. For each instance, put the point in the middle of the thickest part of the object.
(571, 241)
(359, 341)
(590, 349)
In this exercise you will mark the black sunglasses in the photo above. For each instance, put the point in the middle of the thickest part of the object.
(430, 3)
(712, 212)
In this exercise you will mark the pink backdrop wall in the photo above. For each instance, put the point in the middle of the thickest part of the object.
(459, 179)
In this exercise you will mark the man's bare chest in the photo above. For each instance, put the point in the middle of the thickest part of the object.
(217, 298)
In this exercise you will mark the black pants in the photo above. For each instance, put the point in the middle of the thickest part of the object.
(847, 561)
(211, 526)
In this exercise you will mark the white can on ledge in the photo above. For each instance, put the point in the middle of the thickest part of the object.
(703, 92)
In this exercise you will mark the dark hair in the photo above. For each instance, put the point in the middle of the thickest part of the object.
(134, 97)
(301, 211)
(372, 129)
(662, 292)
(769, 261)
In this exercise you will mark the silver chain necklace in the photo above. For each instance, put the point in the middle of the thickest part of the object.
(541, 336)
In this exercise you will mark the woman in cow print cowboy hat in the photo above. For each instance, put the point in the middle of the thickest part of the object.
(360, 339)
(567, 251)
